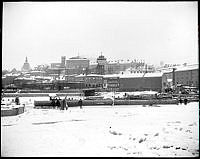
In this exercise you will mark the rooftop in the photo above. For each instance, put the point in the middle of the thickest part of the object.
(132, 75)
(78, 58)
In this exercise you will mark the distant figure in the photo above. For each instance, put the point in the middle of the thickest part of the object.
(185, 101)
(64, 104)
(58, 103)
(181, 101)
(80, 103)
(156, 96)
(17, 100)
(53, 102)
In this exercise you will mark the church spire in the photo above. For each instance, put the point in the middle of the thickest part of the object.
(26, 67)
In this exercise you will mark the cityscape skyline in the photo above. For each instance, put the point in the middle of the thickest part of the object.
(151, 31)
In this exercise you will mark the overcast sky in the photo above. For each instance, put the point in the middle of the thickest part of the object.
(151, 31)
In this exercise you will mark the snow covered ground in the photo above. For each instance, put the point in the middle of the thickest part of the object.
(144, 131)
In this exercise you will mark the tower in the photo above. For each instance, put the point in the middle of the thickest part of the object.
(101, 62)
(26, 67)
(63, 59)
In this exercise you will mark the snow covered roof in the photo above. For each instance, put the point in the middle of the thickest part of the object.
(11, 74)
(132, 75)
(188, 67)
(142, 93)
(81, 75)
(180, 68)
(92, 75)
(73, 75)
(25, 78)
(89, 75)
(157, 74)
(43, 77)
(111, 75)
(93, 63)
(74, 58)
(167, 71)
(36, 71)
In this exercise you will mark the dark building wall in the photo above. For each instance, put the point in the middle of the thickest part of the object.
(141, 83)
(93, 81)
(71, 85)
(100, 69)
(187, 77)
(63, 59)
(165, 82)
(8, 80)
(111, 83)
(77, 63)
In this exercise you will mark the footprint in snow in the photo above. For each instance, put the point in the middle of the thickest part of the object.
(142, 140)
(156, 134)
(166, 146)
(115, 133)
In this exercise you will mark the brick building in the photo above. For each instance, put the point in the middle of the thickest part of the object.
(184, 75)
(141, 81)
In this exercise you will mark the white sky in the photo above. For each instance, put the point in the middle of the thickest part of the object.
(152, 31)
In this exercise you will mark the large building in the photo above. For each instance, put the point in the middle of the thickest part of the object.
(63, 61)
(61, 64)
(57, 69)
(102, 66)
(8, 79)
(26, 67)
(183, 75)
(111, 82)
(77, 65)
(141, 81)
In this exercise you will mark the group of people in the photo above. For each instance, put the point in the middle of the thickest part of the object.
(57, 102)
(62, 103)
(185, 101)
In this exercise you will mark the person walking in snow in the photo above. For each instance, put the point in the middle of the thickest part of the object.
(185, 101)
(181, 101)
(80, 103)
(58, 104)
(65, 103)
(17, 100)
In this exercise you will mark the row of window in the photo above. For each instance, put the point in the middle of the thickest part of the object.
(188, 82)
(93, 85)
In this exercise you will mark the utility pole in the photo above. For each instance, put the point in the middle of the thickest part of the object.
(173, 79)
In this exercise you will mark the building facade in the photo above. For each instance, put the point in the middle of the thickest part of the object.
(111, 82)
(77, 65)
(101, 63)
(102, 66)
(187, 75)
(141, 82)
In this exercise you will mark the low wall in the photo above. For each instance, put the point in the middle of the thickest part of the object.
(74, 103)
(39, 94)
(12, 112)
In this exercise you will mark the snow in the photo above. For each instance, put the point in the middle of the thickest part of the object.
(124, 131)
(188, 67)
(132, 75)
